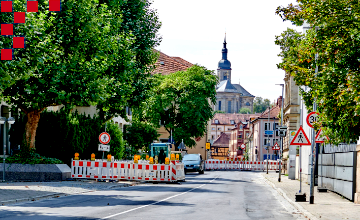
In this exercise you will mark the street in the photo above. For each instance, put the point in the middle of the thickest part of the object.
(213, 195)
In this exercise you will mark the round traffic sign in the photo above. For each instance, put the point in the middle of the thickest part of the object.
(104, 138)
(311, 118)
(242, 146)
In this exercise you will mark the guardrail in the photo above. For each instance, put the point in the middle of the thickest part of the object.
(213, 164)
(121, 170)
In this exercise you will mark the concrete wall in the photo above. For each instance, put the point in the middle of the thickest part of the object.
(337, 173)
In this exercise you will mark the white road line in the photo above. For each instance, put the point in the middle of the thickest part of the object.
(140, 207)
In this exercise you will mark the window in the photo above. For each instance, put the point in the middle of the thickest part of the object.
(276, 141)
(247, 104)
(229, 129)
(267, 126)
(216, 121)
(219, 105)
(212, 137)
(213, 128)
(277, 133)
(219, 129)
(275, 125)
(229, 106)
(240, 136)
(266, 141)
(232, 122)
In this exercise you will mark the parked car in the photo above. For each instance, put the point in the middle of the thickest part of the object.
(193, 163)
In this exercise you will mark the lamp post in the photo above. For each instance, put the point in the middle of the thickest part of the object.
(3, 121)
(281, 138)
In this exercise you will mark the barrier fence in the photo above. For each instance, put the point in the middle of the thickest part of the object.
(120, 170)
(214, 164)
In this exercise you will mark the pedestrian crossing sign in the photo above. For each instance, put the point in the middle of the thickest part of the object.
(300, 138)
(320, 138)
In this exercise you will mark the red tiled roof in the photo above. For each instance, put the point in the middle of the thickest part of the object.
(166, 65)
(274, 112)
(227, 117)
(222, 140)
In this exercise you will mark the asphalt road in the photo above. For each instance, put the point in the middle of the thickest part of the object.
(213, 195)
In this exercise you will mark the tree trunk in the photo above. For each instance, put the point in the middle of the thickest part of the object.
(31, 126)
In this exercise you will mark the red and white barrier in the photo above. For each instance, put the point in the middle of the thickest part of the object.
(127, 170)
(240, 165)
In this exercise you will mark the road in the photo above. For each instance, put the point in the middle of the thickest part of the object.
(213, 195)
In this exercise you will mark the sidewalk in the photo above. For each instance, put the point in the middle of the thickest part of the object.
(326, 205)
(14, 192)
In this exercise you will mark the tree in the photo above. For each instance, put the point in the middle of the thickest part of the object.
(89, 53)
(140, 134)
(218, 111)
(335, 87)
(182, 102)
(260, 104)
(244, 111)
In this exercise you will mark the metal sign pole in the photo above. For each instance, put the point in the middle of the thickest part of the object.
(312, 161)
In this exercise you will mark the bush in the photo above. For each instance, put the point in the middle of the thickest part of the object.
(30, 157)
(61, 134)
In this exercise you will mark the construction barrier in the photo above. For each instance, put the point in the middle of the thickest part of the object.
(126, 170)
(214, 164)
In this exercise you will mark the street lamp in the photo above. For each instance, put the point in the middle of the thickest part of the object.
(3, 121)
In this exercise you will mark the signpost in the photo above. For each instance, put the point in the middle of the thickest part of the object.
(300, 139)
(104, 138)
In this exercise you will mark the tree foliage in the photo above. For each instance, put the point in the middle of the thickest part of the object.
(260, 104)
(61, 134)
(244, 111)
(182, 102)
(336, 86)
(140, 134)
(90, 53)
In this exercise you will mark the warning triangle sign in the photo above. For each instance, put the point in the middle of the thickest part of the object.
(300, 138)
(276, 146)
(320, 138)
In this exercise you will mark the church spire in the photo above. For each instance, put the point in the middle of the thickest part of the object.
(224, 50)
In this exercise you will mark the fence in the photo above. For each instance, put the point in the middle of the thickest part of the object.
(337, 169)
(121, 170)
(213, 164)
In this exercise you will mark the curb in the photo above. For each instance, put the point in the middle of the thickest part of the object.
(56, 195)
(297, 206)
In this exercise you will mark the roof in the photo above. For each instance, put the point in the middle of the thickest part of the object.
(166, 65)
(226, 86)
(274, 112)
(222, 141)
(225, 118)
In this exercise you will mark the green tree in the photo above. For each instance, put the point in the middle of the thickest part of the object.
(244, 111)
(89, 53)
(218, 111)
(335, 87)
(140, 134)
(260, 104)
(182, 101)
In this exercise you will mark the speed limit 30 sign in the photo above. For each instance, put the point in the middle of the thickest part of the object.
(312, 118)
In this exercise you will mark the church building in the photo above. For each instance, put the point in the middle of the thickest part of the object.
(230, 98)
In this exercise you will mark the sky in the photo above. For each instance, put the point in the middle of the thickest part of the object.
(194, 30)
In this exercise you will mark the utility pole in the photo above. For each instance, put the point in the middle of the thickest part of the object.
(281, 138)
(268, 145)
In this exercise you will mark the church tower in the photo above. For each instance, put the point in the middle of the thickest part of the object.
(224, 67)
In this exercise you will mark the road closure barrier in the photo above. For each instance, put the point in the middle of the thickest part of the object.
(123, 170)
(214, 164)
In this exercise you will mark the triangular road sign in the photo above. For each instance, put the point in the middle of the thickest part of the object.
(276, 146)
(300, 138)
(320, 138)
